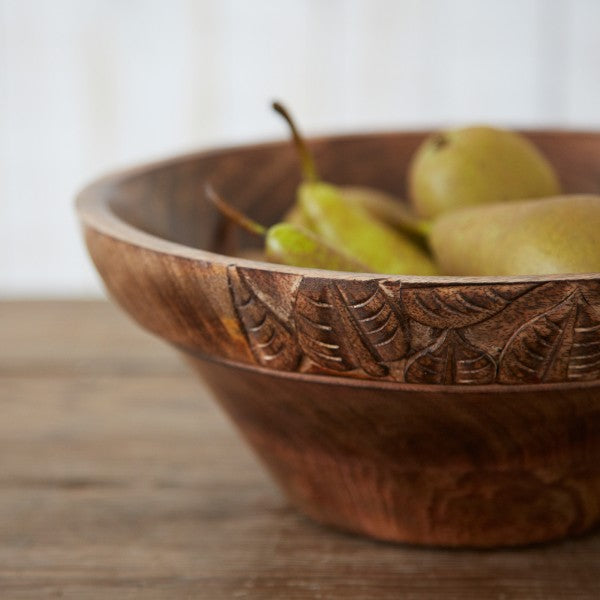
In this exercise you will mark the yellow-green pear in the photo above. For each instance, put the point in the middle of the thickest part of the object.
(293, 245)
(477, 165)
(343, 221)
(560, 234)
(380, 205)
(387, 208)
(289, 243)
(351, 230)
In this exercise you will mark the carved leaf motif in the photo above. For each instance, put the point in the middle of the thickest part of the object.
(561, 344)
(274, 289)
(584, 358)
(378, 318)
(270, 340)
(451, 360)
(330, 334)
(459, 306)
(316, 329)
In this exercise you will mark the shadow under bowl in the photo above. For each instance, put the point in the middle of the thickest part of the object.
(431, 410)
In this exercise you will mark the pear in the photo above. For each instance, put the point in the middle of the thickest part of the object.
(387, 208)
(341, 220)
(380, 205)
(350, 229)
(477, 165)
(293, 245)
(525, 237)
(288, 243)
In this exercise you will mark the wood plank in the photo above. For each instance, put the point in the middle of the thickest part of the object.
(78, 337)
(132, 484)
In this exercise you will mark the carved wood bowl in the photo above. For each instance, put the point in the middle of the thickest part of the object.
(429, 410)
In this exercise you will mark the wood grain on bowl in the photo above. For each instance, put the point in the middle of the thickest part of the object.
(505, 370)
(439, 467)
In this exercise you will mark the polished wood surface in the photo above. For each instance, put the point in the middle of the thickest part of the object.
(120, 478)
(482, 394)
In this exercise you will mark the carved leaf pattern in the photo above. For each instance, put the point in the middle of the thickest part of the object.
(584, 359)
(380, 322)
(451, 359)
(366, 325)
(316, 329)
(270, 340)
(343, 333)
(459, 306)
(561, 344)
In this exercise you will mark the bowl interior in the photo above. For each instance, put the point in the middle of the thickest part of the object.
(167, 200)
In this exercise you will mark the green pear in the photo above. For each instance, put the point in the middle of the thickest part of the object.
(387, 208)
(288, 243)
(293, 245)
(560, 234)
(378, 204)
(477, 165)
(340, 218)
(350, 229)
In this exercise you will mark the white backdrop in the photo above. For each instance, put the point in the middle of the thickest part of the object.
(91, 85)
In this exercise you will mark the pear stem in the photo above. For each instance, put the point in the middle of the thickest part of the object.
(233, 214)
(309, 170)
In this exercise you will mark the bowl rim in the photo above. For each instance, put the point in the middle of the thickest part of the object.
(92, 205)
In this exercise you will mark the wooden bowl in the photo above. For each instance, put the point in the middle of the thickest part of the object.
(430, 410)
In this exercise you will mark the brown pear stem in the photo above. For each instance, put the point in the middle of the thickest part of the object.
(233, 214)
(309, 170)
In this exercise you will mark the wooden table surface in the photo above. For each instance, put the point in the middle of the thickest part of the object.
(120, 478)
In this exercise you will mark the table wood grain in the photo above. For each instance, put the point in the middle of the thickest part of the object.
(120, 478)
